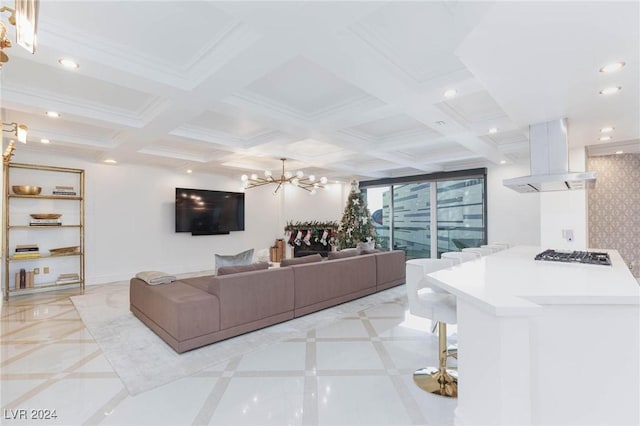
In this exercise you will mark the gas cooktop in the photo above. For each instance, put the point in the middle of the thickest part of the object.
(590, 257)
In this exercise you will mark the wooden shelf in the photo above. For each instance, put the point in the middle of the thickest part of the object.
(48, 197)
(43, 226)
(42, 287)
(44, 256)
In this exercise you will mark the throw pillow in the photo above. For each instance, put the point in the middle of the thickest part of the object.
(301, 260)
(242, 258)
(369, 245)
(343, 254)
(227, 270)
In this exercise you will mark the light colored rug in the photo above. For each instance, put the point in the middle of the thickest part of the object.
(143, 361)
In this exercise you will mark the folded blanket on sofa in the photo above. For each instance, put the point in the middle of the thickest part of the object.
(155, 277)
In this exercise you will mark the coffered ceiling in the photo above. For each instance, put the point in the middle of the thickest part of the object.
(343, 89)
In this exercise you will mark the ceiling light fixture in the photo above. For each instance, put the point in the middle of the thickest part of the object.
(53, 114)
(450, 93)
(619, 152)
(189, 171)
(611, 90)
(298, 179)
(45, 141)
(110, 161)
(68, 63)
(493, 130)
(503, 161)
(605, 138)
(18, 130)
(615, 66)
(607, 129)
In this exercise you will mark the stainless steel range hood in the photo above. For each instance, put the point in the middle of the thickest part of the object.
(549, 154)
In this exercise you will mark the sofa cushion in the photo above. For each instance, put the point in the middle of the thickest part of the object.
(226, 270)
(242, 258)
(343, 254)
(370, 251)
(301, 260)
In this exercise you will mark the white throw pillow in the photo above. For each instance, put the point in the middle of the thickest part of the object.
(242, 258)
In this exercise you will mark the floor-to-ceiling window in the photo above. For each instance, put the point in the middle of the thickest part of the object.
(461, 218)
(408, 211)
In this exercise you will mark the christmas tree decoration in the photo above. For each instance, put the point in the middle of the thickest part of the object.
(356, 225)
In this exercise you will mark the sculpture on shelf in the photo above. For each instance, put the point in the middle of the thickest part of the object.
(356, 225)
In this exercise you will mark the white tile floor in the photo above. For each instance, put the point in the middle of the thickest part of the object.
(355, 371)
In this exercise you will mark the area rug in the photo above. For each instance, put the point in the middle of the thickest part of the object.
(144, 361)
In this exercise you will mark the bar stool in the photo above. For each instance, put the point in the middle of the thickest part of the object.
(460, 256)
(493, 247)
(479, 250)
(439, 307)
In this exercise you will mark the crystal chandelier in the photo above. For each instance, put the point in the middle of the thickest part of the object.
(308, 183)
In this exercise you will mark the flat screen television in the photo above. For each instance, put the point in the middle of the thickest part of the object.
(203, 212)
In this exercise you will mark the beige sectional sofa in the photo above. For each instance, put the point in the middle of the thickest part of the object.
(194, 312)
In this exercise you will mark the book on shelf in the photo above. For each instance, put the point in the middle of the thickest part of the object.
(26, 251)
(64, 190)
(67, 278)
(45, 222)
(27, 255)
(26, 248)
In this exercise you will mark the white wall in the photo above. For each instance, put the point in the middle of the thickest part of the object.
(565, 210)
(130, 218)
(512, 217)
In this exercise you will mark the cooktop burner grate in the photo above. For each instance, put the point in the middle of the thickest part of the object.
(590, 257)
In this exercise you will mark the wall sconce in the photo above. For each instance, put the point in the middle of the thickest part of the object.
(25, 18)
(18, 130)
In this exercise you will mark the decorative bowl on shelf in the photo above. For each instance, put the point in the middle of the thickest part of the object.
(45, 215)
(64, 250)
(26, 190)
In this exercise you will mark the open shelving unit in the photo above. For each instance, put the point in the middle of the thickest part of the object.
(17, 230)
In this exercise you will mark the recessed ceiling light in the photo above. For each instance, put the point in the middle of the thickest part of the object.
(440, 123)
(607, 129)
(53, 114)
(44, 141)
(611, 90)
(68, 63)
(189, 171)
(110, 161)
(619, 152)
(503, 161)
(450, 93)
(605, 138)
(493, 130)
(615, 66)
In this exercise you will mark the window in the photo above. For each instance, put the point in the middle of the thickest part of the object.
(408, 211)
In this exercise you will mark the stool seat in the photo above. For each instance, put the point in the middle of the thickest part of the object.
(440, 306)
(460, 256)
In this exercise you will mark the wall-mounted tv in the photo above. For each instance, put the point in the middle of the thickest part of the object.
(203, 212)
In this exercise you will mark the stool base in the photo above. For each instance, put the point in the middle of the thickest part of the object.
(432, 380)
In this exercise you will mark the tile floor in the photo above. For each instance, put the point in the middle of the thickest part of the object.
(356, 371)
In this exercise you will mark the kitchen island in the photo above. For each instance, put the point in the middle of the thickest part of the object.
(545, 343)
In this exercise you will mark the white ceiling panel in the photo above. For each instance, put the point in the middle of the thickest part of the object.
(305, 87)
(350, 89)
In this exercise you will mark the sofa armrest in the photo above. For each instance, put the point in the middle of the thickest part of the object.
(390, 268)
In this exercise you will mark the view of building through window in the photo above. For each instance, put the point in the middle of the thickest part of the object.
(459, 222)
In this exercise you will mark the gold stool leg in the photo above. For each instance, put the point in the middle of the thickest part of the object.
(438, 381)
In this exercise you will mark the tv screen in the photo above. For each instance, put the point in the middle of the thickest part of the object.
(203, 212)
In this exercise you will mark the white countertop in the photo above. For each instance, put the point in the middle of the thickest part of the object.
(511, 282)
